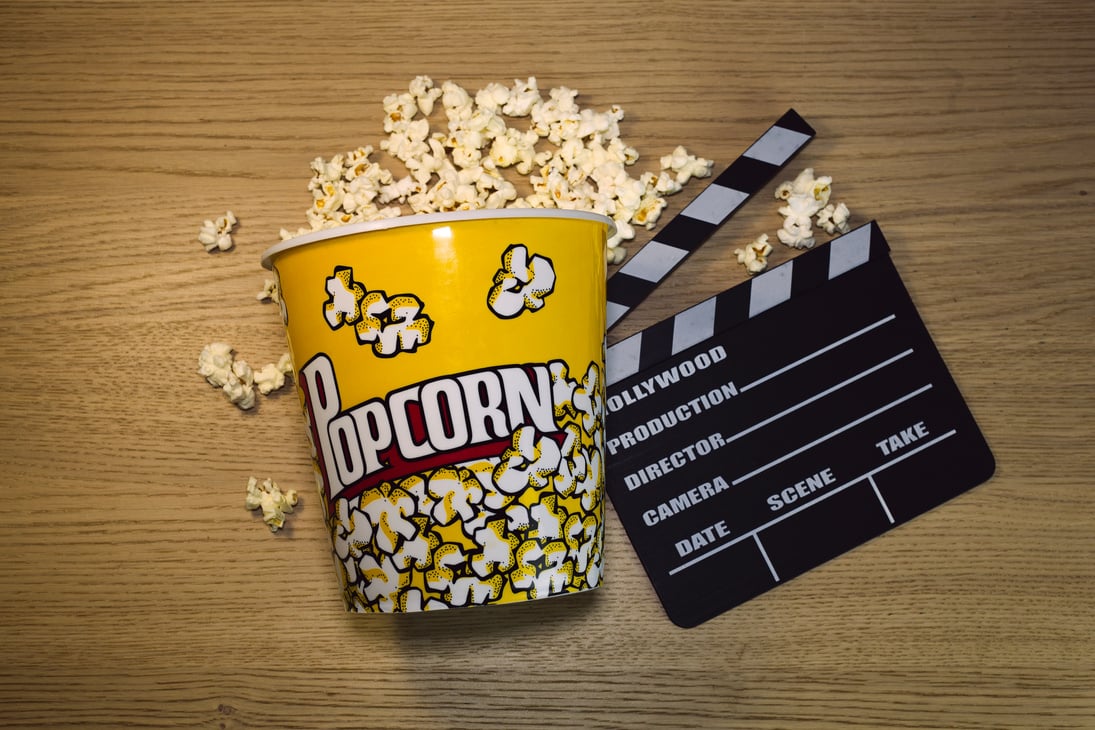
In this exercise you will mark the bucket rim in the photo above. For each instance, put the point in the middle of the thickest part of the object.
(422, 219)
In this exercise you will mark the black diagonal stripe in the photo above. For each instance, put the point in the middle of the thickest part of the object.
(628, 290)
(811, 269)
(747, 175)
(791, 120)
(657, 344)
(879, 246)
(685, 233)
(732, 306)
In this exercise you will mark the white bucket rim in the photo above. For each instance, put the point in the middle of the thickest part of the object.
(430, 219)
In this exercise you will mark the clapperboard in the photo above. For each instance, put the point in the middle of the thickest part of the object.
(781, 423)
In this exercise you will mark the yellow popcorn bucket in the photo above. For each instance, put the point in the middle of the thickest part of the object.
(451, 371)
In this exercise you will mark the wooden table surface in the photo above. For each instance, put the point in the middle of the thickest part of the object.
(136, 590)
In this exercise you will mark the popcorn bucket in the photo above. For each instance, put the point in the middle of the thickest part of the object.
(451, 371)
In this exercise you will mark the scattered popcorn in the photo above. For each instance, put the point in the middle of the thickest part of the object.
(424, 93)
(215, 363)
(274, 503)
(522, 98)
(217, 234)
(807, 196)
(236, 379)
(834, 219)
(269, 378)
(218, 366)
(459, 167)
(806, 184)
(269, 291)
(755, 255)
(796, 231)
(240, 388)
(686, 165)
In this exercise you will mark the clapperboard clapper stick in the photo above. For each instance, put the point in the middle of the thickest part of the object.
(780, 424)
(642, 273)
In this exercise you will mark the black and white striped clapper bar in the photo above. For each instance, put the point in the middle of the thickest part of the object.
(744, 301)
(641, 274)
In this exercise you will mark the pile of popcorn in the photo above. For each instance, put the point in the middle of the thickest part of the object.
(461, 167)
(806, 197)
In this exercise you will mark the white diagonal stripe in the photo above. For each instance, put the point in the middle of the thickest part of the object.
(849, 251)
(770, 288)
(614, 312)
(777, 145)
(622, 359)
(653, 261)
(693, 325)
(714, 204)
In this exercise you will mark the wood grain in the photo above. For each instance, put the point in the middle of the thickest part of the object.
(135, 589)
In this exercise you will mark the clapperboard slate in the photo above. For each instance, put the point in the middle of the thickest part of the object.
(781, 423)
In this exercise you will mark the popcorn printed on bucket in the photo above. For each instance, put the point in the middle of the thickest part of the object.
(521, 284)
(525, 524)
(390, 325)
